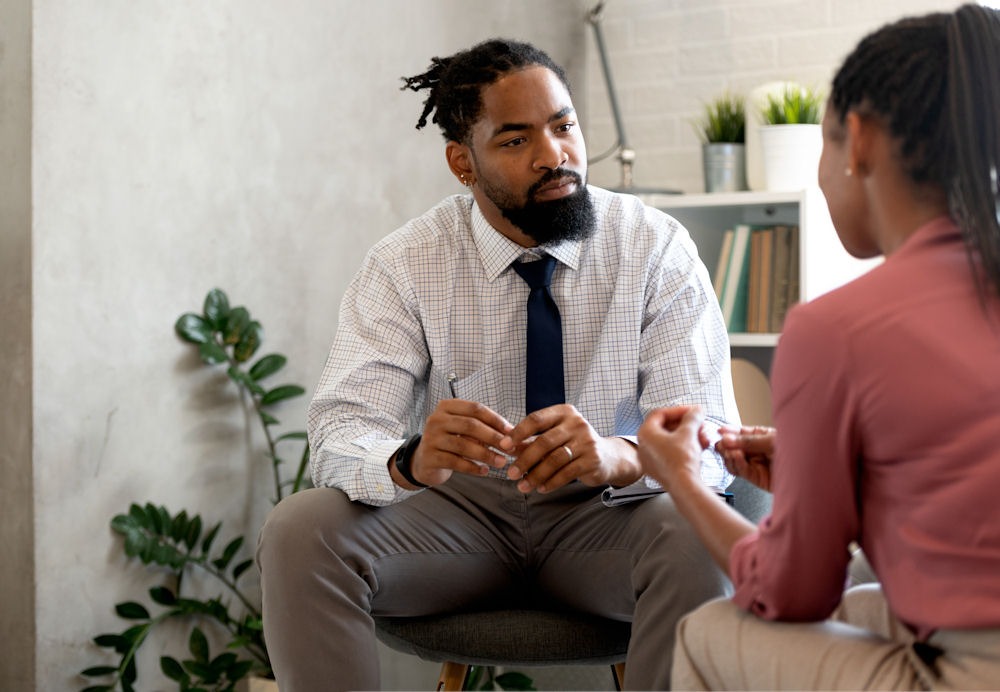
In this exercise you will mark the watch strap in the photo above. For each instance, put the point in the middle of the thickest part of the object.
(404, 458)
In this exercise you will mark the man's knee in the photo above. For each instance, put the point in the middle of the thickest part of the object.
(297, 521)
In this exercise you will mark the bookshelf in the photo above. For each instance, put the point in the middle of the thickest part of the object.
(823, 264)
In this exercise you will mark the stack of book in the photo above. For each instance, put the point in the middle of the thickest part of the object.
(757, 277)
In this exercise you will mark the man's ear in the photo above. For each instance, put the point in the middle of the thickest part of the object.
(459, 159)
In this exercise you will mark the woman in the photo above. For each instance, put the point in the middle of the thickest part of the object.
(887, 398)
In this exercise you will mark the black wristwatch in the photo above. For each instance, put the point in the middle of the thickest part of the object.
(404, 455)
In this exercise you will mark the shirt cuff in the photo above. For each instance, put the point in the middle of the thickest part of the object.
(375, 476)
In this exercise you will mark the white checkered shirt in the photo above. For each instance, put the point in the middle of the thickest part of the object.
(641, 329)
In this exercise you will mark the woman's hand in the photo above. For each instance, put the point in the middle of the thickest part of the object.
(748, 452)
(670, 445)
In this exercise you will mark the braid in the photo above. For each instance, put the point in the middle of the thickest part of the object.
(455, 83)
(974, 52)
(944, 111)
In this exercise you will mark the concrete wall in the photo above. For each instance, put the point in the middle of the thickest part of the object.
(253, 145)
(152, 150)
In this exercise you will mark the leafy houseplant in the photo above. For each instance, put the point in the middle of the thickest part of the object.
(178, 544)
(790, 138)
(723, 121)
(722, 130)
(794, 106)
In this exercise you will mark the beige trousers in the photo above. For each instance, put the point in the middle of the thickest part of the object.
(862, 647)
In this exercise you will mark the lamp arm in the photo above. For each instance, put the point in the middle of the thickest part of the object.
(595, 21)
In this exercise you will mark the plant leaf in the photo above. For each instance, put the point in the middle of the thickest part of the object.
(212, 354)
(178, 526)
(217, 308)
(268, 365)
(110, 641)
(236, 322)
(193, 328)
(173, 669)
(207, 543)
(97, 671)
(241, 568)
(267, 419)
(249, 342)
(285, 391)
(228, 553)
(193, 532)
(297, 435)
(198, 644)
(130, 610)
(162, 595)
(514, 681)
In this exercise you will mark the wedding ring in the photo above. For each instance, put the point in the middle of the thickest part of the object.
(569, 453)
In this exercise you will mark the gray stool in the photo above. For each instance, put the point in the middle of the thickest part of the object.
(520, 638)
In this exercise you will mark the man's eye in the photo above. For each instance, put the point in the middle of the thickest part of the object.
(513, 142)
(565, 127)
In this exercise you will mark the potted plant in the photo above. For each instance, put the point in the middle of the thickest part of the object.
(181, 547)
(722, 130)
(790, 138)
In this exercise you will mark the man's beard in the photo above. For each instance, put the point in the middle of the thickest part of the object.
(567, 218)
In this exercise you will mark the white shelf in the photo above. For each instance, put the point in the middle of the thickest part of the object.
(753, 340)
(823, 262)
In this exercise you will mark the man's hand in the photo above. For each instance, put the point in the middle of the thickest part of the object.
(556, 445)
(670, 444)
(748, 452)
(457, 436)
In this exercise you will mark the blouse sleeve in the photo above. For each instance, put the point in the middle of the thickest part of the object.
(794, 567)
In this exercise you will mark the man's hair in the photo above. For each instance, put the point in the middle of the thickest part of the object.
(932, 80)
(456, 83)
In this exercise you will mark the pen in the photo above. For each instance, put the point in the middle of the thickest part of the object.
(451, 384)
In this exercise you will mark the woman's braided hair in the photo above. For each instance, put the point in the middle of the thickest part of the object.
(934, 80)
(456, 82)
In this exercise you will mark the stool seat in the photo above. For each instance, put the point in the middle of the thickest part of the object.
(508, 637)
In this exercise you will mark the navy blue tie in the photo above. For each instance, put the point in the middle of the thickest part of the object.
(544, 374)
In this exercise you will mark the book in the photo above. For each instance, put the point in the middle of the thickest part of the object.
(782, 259)
(720, 267)
(754, 280)
(793, 272)
(765, 279)
(735, 284)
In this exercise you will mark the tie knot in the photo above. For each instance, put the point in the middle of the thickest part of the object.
(537, 274)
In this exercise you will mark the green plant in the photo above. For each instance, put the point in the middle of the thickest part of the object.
(795, 106)
(178, 545)
(485, 678)
(723, 121)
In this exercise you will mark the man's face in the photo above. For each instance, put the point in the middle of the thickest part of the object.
(529, 159)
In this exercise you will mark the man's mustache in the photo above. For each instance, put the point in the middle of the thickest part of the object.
(553, 175)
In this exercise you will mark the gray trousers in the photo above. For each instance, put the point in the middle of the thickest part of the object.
(327, 565)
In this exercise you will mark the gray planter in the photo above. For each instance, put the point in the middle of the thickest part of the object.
(725, 167)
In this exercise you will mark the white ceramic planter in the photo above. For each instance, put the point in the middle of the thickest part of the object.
(790, 156)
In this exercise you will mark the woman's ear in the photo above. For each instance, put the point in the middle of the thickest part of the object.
(860, 133)
(460, 163)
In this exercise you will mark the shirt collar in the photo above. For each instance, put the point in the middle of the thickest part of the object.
(497, 251)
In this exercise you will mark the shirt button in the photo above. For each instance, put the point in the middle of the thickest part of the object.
(380, 487)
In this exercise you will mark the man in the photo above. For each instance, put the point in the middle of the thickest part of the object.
(445, 477)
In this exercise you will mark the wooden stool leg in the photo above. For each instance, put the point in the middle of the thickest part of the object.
(619, 672)
(452, 676)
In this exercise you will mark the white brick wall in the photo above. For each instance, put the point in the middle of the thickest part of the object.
(669, 57)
